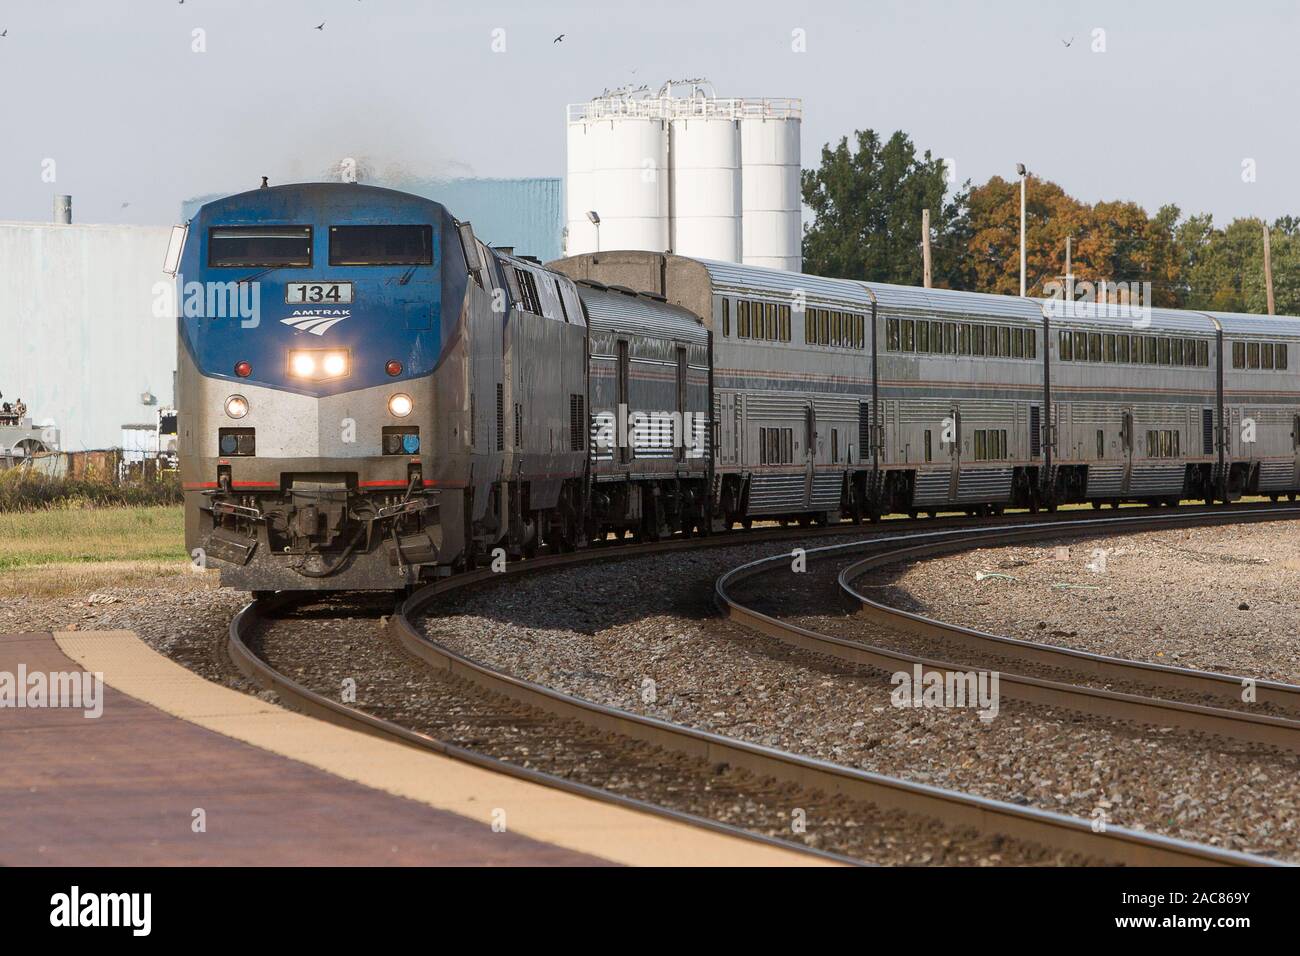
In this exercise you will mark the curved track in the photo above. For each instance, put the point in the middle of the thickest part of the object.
(263, 611)
(1115, 845)
(1233, 724)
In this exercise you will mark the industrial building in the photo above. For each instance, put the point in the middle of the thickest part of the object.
(83, 345)
(694, 174)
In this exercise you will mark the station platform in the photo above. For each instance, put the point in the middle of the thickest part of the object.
(180, 771)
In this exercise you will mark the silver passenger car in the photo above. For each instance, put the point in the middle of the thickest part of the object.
(649, 419)
(790, 377)
(833, 396)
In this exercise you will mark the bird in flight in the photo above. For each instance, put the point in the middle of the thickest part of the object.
(322, 25)
(559, 38)
(6, 33)
(1068, 42)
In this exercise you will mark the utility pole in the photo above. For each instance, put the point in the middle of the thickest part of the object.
(1069, 275)
(925, 246)
(1020, 168)
(1268, 269)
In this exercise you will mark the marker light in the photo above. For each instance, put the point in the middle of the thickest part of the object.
(400, 405)
(318, 364)
(243, 369)
(393, 367)
(236, 406)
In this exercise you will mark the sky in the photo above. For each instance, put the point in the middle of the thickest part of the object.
(131, 111)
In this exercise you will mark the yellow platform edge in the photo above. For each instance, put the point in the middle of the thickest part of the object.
(574, 822)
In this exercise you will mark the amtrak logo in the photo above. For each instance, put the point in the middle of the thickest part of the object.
(316, 321)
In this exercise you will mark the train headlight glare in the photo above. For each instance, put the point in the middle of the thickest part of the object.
(401, 405)
(303, 364)
(236, 406)
(318, 364)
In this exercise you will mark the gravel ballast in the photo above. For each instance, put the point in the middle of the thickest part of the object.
(322, 648)
(1221, 599)
(610, 631)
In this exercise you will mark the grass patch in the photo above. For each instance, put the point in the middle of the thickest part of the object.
(24, 489)
(81, 535)
(59, 580)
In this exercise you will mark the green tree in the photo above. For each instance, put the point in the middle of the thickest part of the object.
(867, 205)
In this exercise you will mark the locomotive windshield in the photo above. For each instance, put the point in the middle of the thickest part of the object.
(268, 246)
(381, 245)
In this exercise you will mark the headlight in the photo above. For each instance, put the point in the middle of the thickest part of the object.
(318, 364)
(400, 405)
(236, 406)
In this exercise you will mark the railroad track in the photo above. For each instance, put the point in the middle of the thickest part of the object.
(277, 610)
(1225, 689)
(1058, 832)
(1282, 732)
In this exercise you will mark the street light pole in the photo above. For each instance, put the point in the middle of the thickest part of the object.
(594, 218)
(1020, 168)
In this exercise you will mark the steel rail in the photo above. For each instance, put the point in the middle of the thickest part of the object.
(1263, 729)
(1227, 688)
(1118, 845)
(354, 718)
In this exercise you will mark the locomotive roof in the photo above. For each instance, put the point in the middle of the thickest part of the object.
(332, 195)
(610, 309)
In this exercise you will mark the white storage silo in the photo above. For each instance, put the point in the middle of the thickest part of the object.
(697, 175)
(770, 202)
(624, 144)
(581, 234)
(704, 150)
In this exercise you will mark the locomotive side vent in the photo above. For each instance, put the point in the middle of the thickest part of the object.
(1035, 431)
(1207, 431)
(864, 431)
(519, 425)
(577, 422)
(501, 417)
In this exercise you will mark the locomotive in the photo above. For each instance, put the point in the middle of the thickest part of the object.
(371, 397)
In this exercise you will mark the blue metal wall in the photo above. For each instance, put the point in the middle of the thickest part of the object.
(527, 214)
